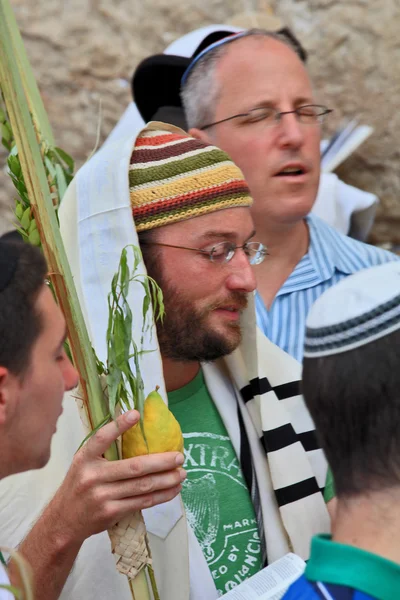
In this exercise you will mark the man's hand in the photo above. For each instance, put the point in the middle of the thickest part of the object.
(97, 493)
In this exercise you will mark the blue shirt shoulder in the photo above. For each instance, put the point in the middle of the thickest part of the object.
(331, 256)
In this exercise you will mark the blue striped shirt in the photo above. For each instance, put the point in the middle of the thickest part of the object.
(331, 257)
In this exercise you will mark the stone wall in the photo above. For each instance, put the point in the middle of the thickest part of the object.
(83, 54)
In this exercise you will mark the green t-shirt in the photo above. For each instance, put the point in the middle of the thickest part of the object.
(217, 502)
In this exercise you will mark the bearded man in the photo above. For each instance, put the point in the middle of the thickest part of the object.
(254, 468)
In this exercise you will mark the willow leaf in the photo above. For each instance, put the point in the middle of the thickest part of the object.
(61, 182)
(66, 158)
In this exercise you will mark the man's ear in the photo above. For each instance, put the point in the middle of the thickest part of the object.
(200, 135)
(7, 391)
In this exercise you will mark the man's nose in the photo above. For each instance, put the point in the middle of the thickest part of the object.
(290, 130)
(242, 276)
(71, 376)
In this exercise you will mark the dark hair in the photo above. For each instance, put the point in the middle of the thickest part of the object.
(20, 322)
(150, 253)
(354, 399)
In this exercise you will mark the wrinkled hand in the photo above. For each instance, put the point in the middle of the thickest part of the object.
(97, 493)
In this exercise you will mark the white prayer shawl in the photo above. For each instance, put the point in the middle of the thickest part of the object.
(96, 223)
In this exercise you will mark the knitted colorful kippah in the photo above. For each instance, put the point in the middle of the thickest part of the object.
(173, 176)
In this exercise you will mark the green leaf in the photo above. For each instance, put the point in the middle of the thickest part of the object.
(18, 595)
(19, 210)
(26, 219)
(69, 161)
(50, 167)
(34, 238)
(14, 150)
(14, 165)
(5, 133)
(124, 273)
(113, 381)
(61, 182)
(32, 226)
(119, 339)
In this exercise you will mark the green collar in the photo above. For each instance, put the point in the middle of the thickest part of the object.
(188, 390)
(341, 564)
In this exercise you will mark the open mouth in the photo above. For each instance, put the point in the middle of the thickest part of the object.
(291, 172)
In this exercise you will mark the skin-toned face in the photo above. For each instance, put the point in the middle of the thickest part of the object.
(203, 300)
(30, 404)
(261, 72)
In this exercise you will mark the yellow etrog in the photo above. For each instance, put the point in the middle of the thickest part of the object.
(162, 430)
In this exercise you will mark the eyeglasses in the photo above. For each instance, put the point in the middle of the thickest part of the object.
(310, 114)
(224, 251)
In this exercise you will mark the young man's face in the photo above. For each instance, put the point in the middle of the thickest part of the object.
(203, 300)
(34, 399)
(256, 73)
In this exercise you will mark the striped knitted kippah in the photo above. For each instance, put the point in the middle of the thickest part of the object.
(355, 312)
(173, 176)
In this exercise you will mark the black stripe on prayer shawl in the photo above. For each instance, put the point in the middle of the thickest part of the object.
(297, 491)
(256, 387)
(245, 453)
(281, 437)
(287, 390)
(309, 440)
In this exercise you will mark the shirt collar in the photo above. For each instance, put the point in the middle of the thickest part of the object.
(346, 565)
(322, 259)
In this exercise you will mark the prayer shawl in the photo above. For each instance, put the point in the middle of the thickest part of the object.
(256, 390)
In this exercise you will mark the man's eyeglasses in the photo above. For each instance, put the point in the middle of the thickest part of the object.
(310, 114)
(224, 251)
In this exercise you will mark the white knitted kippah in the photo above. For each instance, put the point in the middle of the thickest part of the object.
(358, 310)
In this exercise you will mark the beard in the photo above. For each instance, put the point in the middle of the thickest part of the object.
(185, 334)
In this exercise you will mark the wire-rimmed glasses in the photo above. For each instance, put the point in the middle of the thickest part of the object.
(223, 252)
(309, 114)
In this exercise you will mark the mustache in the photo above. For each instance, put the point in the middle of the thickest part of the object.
(237, 299)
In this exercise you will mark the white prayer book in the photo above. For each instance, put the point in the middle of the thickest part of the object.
(343, 143)
(272, 582)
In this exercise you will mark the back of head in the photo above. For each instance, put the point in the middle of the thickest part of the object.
(351, 379)
(200, 88)
(22, 274)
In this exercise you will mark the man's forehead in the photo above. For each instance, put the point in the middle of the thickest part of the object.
(262, 61)
(258, 45)
(258, 71)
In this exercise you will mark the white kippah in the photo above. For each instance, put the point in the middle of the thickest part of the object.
(358, 310)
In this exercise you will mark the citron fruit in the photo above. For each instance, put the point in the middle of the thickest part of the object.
(162, 430)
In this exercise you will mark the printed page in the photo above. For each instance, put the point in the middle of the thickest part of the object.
(272, 582)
